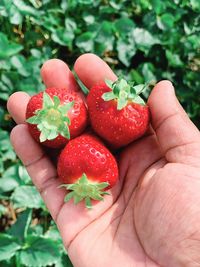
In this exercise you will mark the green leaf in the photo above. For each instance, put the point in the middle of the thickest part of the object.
(19, 63)
(88, 18)
(2, 210)
(10, 179)
(8, 246)
(82, 86)
(124, 26)
(64, 131)
(69, 196)
(121, 103)
(126, 49)
(56, 101)
(15, 16)
(47, 101)
(103, 185)
(166, 21)
(66, 107)
(26, 9)
(139, 100)
(34, 120)
(104, 37)
(63, 37)
(43, 136)
(144, 39)
(108, 96)
(85, 42)
(39, 251)
(195, 5)
(20, 228)
(109, 83)
(6, 150)
(7, 48)
(64, 261)
(174, 59)
(158, 6)
(148, 73)
(26, 197)
(88, 203)
(138, 88)
(52, 135)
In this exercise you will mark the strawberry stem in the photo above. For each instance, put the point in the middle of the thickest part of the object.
(85, 190)
(124, 92)
(52, 119)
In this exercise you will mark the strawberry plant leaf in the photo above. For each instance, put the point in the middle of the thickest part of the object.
(2, 210)
(126, 49)
(139, 100)
(85, 42)
(56, 101)
(47, 101)
(19, 63)
(20, 228)
(64, 261)
(82, 86)
(39, 251)
(10, 179)
(27, 197)
(64, 131)
(88, 203)
(26, 9)
(33, 120)
(7, 48)
(69, 196)
(109, 83)
(8, 246)
(64, 108)
(144, 39)
(121, 103)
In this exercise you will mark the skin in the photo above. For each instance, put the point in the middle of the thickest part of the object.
(152, 217)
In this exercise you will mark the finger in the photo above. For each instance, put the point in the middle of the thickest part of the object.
(16, 106)
(43, 175)
(39, 167)
(91, 69)
(177, 135)
(56, 73)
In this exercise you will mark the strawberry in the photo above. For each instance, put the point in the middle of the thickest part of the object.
(86, 168)
(55, 116)
(117, 112)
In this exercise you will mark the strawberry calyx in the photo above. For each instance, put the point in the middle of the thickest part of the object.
(124, 92)
(52, 119)
(85, 190)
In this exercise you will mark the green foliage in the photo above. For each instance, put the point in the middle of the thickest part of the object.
(144, 40)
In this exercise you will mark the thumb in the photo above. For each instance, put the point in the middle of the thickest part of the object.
(177, 135)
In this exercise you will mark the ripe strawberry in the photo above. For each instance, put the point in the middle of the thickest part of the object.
(55, 116)
(87, 168)
(117, 113)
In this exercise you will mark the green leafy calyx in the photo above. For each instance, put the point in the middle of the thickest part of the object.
(124, 92)
(52, 119)
(85, 190)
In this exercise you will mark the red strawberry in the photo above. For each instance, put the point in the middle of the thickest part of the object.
(55, 116)
(117, 113)
(87, 168)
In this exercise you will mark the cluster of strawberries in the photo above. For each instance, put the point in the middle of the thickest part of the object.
(112, 116)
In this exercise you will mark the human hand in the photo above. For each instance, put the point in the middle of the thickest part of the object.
(151, 218)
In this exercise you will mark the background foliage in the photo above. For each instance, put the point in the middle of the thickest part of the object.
(145, 40)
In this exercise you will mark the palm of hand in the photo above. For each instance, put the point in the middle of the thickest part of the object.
(146, 221)
(151, 217)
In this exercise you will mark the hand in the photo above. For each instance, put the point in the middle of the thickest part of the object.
(152, 217)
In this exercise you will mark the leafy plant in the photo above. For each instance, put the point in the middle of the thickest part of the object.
(145, 40)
